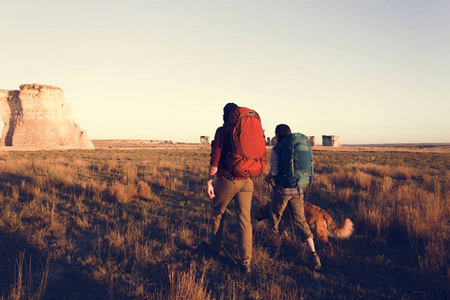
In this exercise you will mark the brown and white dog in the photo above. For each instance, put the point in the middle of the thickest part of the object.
(320, 222)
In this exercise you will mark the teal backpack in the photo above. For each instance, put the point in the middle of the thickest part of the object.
(295, 164)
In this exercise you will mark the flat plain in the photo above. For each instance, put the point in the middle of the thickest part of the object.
(125, 222)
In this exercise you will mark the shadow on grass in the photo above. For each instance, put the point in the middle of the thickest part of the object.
(64, 281)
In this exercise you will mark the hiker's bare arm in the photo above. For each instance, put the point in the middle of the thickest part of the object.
(211, 174)
(273, 170)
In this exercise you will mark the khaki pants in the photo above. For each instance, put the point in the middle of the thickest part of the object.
(241, 191)
(297, 210)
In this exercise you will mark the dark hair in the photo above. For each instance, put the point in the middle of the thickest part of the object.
(282, 130)
(227, 109)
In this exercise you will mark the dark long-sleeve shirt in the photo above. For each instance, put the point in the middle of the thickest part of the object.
(220, 151)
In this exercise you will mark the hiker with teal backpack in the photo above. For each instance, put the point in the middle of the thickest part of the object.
(291, 169)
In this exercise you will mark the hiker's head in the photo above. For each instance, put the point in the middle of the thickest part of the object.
(281, 131)
(227, 109)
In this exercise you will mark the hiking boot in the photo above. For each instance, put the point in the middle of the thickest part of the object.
(208, 250)
(245, 269)
(315, 262)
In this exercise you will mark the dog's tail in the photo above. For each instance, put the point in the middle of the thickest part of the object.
(343, 232)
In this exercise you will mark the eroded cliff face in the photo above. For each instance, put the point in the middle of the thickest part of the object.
(38, 116)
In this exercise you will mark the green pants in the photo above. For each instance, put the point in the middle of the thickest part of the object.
(297, 211)
(241, 191)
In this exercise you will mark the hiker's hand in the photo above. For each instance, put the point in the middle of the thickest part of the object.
(210, 189)
(212, 174)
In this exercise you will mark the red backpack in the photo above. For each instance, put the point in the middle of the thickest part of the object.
(247, 157)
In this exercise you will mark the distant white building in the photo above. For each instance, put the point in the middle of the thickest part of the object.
(331, 140)
(204, 140)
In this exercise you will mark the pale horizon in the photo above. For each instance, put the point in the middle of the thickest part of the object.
(371, 72)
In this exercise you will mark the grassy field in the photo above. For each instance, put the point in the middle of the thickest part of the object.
(125, 224)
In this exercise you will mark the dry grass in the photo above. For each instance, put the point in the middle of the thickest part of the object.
(128, 223)
(24, 287)
(187, 286)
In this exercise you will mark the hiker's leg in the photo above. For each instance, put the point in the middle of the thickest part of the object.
(243, 205)
(279, 203)
(298, 216)
(225, 190)
(310, 244)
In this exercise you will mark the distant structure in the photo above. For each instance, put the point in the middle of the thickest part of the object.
(38, 116)
(204, 140)
(2, 124)
(331, 140)
(327, 140)
(273, 141)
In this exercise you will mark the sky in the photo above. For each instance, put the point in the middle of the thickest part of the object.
(369, 71)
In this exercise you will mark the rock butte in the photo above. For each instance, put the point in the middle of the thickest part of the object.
(37, 116)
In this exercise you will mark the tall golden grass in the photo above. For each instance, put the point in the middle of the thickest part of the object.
(23, 279)
(131, 221)
(399, 200)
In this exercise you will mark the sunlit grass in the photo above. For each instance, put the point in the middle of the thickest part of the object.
(132, 220)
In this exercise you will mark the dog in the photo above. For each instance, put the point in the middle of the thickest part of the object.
(320, 222)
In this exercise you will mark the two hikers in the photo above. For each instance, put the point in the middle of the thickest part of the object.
(234, 181)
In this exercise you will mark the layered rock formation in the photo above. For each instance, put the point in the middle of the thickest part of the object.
(38, 116)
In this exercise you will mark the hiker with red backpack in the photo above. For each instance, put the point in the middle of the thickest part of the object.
(292, 170)
(237, 156)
